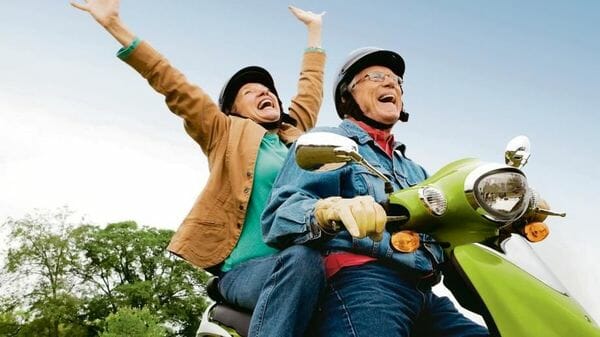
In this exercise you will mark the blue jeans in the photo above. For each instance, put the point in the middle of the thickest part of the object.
(375, 300)
(282, 289)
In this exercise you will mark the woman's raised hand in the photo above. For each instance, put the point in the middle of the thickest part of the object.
(309, 18)
(313, 22)
(104, 11)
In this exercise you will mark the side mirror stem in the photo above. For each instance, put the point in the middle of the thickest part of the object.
(387, 183)
(549, 212)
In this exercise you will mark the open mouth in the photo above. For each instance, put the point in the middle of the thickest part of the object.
(387, 98)
(265, 103)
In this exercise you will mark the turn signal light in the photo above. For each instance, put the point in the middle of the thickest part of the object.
(535, 231)
(406, 241)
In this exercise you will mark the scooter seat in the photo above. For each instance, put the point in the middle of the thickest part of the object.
(232, 317)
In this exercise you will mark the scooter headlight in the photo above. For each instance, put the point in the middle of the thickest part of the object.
(504, 195)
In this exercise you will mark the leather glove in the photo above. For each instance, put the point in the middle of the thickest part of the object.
(361, 216)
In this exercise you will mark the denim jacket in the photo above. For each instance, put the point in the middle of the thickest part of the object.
(289, 216)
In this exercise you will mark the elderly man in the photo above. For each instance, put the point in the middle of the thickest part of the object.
(374, 289)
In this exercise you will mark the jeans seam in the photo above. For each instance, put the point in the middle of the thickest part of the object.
(227, 282)
(345, 312)
(425, 303)
(267, 293)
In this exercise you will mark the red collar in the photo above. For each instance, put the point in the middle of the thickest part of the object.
(383, 138)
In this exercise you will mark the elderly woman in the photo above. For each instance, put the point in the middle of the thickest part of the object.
(246, 139)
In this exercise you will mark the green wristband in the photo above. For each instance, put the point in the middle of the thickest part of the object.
(124, 52)
(314, 49)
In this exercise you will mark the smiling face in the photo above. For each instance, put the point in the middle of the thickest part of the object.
(256, 102)
(380, 101)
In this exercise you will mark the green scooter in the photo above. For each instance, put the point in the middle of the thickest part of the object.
(484, 215)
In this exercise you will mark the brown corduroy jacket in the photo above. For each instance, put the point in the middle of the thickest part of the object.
(212, 228)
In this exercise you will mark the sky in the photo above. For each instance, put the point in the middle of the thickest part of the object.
(79, 128)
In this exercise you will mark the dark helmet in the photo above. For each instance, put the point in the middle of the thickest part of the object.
(358, 60)
(252, 74)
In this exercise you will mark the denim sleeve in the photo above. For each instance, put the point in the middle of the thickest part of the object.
(425, 173)
(288, 218)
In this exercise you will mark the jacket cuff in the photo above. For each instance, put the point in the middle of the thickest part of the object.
(314, 232)
(143, 58)
(313, 61)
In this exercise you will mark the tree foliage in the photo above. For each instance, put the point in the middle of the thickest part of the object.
(67, 277)
(39, 259)
(131, 322)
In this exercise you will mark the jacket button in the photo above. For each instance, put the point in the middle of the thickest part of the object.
(247, 190)
(249, 174)
(239, 225)
(241, 207)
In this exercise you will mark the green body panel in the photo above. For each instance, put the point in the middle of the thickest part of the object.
(520, 304)
(460, 224)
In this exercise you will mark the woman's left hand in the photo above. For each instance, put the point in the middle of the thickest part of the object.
(309, 18)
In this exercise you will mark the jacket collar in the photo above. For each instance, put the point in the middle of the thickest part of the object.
(360, 136)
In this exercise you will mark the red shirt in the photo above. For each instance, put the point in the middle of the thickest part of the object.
(336, 261)
(383, 138)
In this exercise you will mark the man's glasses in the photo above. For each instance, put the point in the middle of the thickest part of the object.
(378, 76)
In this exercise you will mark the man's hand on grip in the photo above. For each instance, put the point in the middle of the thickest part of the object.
(361, 216)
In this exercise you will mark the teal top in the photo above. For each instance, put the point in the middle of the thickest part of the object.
(271, 154)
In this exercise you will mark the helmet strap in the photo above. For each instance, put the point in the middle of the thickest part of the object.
(373, 123)
(353, 110)
(283, 118)
(271, 125)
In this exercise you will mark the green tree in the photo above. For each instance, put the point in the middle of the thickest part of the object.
(9, 324)
(131, 267)
(133, 322)
(64, 278)
(39, 264)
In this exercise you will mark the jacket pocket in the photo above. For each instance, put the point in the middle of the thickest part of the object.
(365, 182)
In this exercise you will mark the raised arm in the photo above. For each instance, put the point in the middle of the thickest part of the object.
(307, 102)
(203, 120)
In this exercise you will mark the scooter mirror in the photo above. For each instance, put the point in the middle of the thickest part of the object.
(517, 152)
(324, 151)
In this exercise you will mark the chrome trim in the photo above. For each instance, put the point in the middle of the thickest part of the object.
(208, 328)
(469, 186)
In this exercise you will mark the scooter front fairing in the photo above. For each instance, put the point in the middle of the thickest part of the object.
(520, 302)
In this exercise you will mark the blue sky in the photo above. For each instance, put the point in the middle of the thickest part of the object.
(78, 127)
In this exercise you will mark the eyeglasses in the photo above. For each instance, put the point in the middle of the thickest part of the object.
(377, 76)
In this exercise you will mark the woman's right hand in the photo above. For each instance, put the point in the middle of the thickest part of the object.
(103, 11)
(106, 12)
